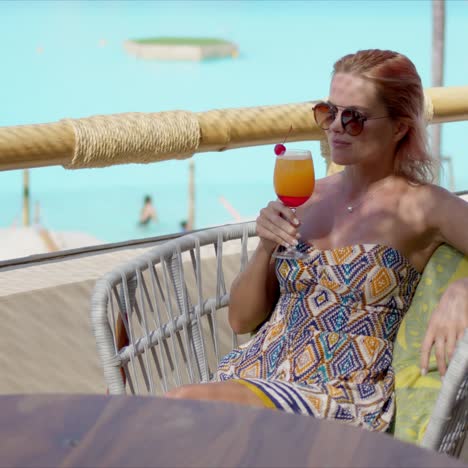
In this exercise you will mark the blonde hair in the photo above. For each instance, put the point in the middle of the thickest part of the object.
(399, 87)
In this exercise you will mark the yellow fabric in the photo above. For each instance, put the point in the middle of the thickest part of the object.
(265, 400)
(416, 394)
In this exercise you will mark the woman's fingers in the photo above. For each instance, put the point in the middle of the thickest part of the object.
(442, 347)
(440, 354)
(451, 344)
(426, 347)
(275, 223)
(444, 344)
(270, 229)
(286, 213)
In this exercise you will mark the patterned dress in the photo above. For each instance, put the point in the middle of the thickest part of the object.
(327, 349)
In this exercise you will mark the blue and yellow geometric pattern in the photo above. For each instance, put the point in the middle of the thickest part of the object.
(327, 349)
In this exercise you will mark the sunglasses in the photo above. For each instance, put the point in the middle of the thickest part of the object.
(351, 119)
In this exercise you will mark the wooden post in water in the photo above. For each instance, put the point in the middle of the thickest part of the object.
(26, 208)
(438, 40)
(191, 197)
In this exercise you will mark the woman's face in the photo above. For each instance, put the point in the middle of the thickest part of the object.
(377, 141)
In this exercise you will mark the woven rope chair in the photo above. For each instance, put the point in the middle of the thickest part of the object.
(172, 303)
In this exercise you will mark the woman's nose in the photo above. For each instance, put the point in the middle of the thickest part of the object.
(336, 126)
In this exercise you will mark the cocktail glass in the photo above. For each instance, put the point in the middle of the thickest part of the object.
(294, 181)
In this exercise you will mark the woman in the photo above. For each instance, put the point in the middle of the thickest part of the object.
(327, 323)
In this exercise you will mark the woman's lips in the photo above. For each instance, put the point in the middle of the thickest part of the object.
(339, 143)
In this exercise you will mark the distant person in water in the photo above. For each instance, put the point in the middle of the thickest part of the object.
(183, 226)
(148, 212)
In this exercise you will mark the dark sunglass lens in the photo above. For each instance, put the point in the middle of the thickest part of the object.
(352, 121)
(324, 115)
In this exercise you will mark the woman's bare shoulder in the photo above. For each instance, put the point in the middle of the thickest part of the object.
(439, 208)
(448, 215)
(430, 195)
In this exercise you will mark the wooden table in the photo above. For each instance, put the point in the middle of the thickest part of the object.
(94, 431)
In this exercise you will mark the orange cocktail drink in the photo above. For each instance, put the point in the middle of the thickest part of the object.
(294, 177)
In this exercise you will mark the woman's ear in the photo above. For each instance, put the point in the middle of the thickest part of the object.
(400, 130)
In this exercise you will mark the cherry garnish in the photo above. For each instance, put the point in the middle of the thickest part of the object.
(280, 149)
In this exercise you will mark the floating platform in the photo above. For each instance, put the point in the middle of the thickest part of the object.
(181, 48)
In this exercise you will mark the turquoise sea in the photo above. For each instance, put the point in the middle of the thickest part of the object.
(63, 59)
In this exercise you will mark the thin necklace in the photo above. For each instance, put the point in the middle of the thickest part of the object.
(351, 208)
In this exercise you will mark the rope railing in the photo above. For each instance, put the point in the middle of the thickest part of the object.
(106, 140)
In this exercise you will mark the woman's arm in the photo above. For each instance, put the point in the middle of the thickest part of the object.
(449, 218)
(255, 291)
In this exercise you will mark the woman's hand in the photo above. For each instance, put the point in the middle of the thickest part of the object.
(277, 224)
(446, 326)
